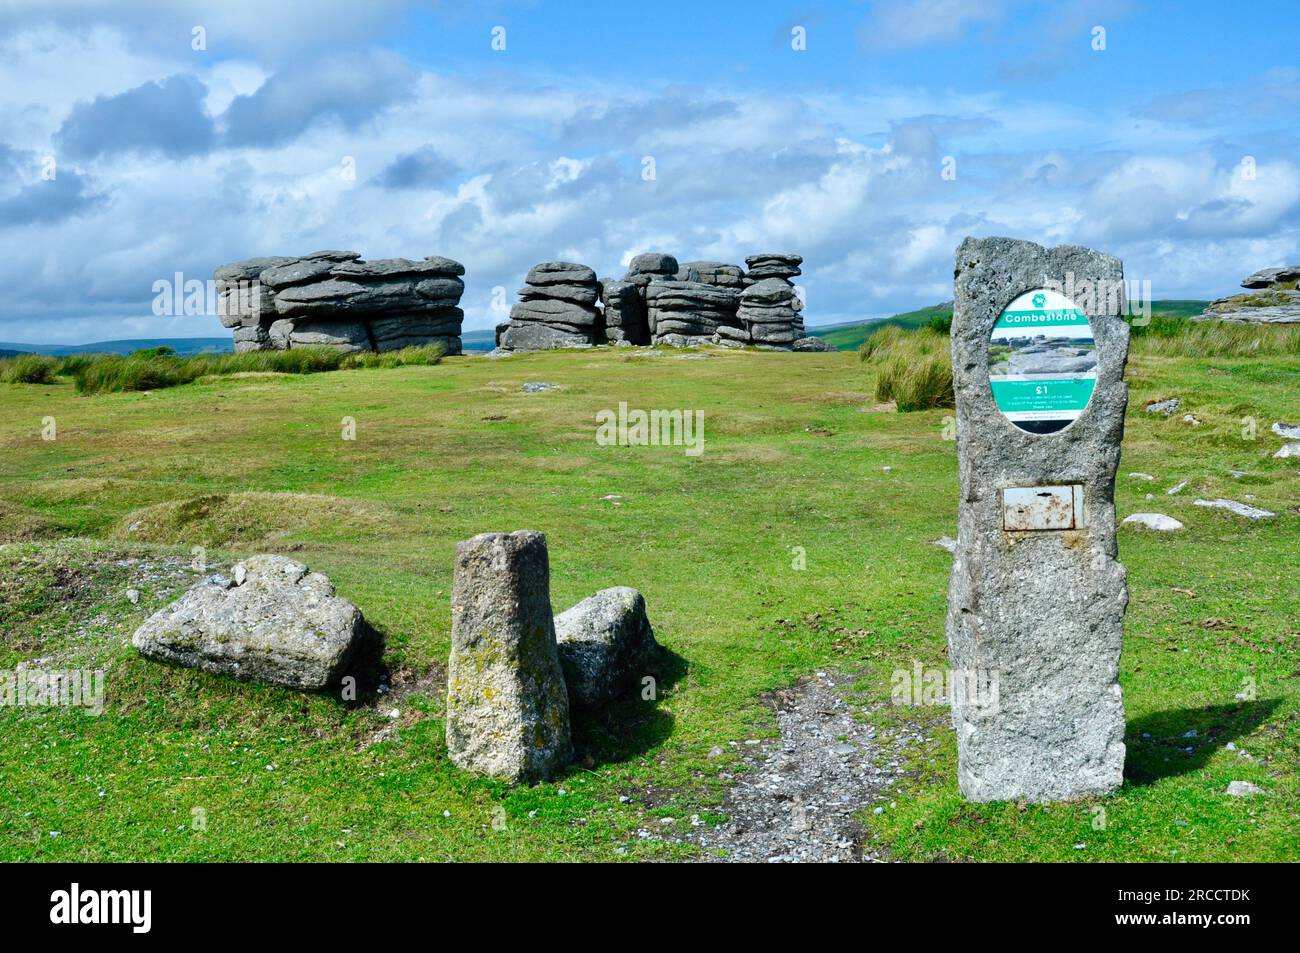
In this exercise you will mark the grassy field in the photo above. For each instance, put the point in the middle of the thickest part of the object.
(795, 446)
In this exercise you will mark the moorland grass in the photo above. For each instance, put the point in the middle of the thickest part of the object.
(795, 457)
(158, 368)
(913, 367)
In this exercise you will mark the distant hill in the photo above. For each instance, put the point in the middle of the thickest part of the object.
(484, 340)
(850, 335)
(179, 345)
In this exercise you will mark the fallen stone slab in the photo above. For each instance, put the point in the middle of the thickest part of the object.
(1241, 509)
(1291, 449)
(274, 621)
(507, 704)
(1156, 521)
(605, 644)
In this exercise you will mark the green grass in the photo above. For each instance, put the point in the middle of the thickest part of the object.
(160, 367)
(794, 457)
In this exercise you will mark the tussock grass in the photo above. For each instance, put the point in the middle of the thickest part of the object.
(28, 369)
(1178, 337)
(913, 368)
(157, 368)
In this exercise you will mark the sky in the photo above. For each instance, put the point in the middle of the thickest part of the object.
(142, 139)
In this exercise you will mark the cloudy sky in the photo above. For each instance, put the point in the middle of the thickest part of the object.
(141, 138)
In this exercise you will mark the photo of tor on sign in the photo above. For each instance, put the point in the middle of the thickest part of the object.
(1042, 361)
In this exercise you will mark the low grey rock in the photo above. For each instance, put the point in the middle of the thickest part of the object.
(813, 344)
(1156, 521)
(536, 336)
(1243, 789)
(507, 704)
(1286, 431)
(1287, 450)
(605, 644)
(1166, 407)
(1241, 509)
(282, 624)
(536, 387)
(946, 542)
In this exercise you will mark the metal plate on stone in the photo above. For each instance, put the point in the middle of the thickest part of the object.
(1030, 508)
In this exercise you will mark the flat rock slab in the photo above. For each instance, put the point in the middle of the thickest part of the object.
(1241, 509)
(605, 644)
(275, 621)
(507, 704)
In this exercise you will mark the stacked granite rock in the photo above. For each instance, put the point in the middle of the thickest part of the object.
(334, 299)
(688, 313)
(645, 268)
(557, 308)
(625, 312)
(769, 313)
(1273, 297)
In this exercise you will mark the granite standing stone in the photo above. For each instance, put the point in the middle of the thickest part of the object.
(507, 704)
(1041, 611)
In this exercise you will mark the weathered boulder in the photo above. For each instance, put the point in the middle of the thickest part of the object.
(275, 621)
(689, 312)
(1155, 521)
(605, 644)
(507, 705)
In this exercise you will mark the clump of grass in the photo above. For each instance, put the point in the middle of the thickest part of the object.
(913, 368)
(152, 369)
(28, 369)
(1179, 337)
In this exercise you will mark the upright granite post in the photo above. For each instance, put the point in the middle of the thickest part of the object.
(507, 705)
(1037, 597)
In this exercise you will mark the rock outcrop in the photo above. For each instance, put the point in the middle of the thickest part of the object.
(334, 299)
(605, 644)
(507, 704)
(557, 308)
(661, 302)
(1273, 297)
(273, 620)
(687, 313)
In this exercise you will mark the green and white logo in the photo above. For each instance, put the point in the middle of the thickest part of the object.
(1042, 361)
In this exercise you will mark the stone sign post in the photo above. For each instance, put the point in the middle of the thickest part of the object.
(1037, 597)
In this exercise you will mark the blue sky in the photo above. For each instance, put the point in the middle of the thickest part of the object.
(396, 129)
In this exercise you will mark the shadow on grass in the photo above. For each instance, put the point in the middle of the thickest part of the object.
(367, 666)
(1164, 754)
(630, 726)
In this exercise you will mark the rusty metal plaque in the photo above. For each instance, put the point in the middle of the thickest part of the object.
(1031, 508)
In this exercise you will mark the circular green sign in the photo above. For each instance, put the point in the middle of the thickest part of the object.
(1042, 361)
